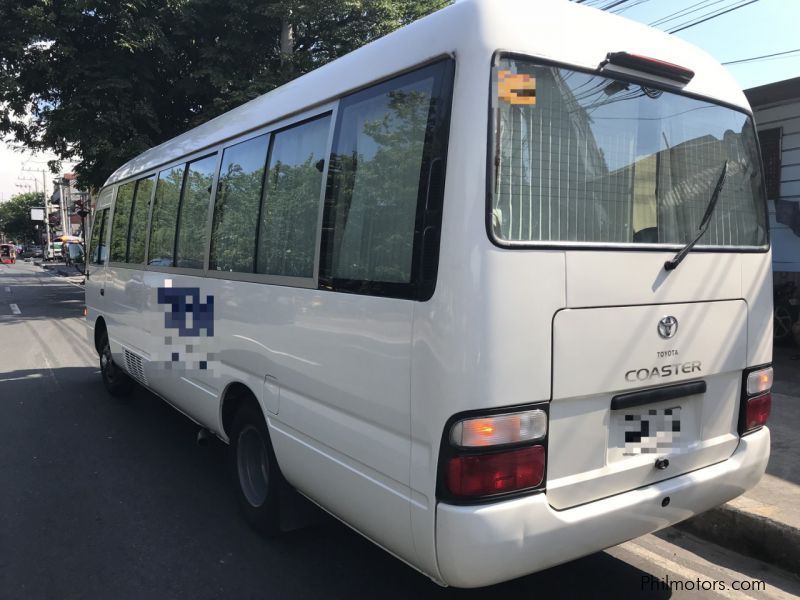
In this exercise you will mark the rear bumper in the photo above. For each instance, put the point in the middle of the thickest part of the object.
(482, 545)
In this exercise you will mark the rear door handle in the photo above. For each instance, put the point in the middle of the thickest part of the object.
(659, 394)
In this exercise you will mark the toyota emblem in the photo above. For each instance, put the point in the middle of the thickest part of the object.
(668, 327)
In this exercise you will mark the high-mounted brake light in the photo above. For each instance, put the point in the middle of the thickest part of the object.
(756, 399)
(648, 65)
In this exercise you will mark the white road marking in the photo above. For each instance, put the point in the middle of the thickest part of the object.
(684, 572)
(28, 376)
(8, 289)
(15, 309)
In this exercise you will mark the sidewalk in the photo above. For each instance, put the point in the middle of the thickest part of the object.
(765, 522)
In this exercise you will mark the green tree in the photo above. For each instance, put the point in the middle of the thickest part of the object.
(15, 217)
(100, 82)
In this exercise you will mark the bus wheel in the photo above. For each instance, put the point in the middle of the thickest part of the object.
(254, 469)
(117, 382)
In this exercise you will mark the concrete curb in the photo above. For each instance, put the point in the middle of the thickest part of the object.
(750, 534)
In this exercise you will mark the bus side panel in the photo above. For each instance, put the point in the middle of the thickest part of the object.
(124, 297)
(757, 288)
(341, 435)
(182, 345)
(342, 362)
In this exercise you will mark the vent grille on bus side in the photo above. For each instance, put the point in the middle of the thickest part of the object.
(133, 364)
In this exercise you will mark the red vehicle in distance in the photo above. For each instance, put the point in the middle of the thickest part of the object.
(8, 254)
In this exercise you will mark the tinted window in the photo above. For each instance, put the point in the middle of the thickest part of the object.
(375, 174)
(98, 239)
(141, 206)
(585, 158)
(122, 215)
(289, 217)
(165, 217)
(241, 177)
(191, 248)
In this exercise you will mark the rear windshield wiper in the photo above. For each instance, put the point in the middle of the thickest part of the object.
(676, 260)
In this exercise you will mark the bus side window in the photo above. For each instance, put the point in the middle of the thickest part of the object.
(121, 222)
(165, 217)
(138, 230)
(94, 245)
(288, 230)
(99, 230)
(235, 224)
(190, 249)
(385, 144)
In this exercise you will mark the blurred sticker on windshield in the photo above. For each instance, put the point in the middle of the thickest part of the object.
(516, 88)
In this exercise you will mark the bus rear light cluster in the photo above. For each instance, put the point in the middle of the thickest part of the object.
(756, 399)
(489, 474)
(494, 455)
(496, 430)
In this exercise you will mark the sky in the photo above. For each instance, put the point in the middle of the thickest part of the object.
(763, 27)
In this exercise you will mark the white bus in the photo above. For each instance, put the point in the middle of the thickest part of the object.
(450, 288)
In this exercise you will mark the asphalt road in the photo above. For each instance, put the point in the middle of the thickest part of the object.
(107, 499)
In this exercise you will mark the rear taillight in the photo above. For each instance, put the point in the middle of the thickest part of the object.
(756, 399)
(489, 455)
(757, 411)
(489, 474)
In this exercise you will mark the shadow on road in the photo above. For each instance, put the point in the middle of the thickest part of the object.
(115, 499)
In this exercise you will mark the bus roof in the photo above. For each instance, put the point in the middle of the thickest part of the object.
(556, 30)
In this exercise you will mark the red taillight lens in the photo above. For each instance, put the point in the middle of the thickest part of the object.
(758, 409)
(488, 474)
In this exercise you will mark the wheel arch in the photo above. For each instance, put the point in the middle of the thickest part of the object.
(100, 330)
(236, 395)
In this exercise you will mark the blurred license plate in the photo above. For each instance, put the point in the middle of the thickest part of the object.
(648, 430)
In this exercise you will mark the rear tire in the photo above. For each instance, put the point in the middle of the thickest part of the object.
(117, 381)
(257, 479)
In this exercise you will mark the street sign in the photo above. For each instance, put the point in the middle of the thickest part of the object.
(37, 214)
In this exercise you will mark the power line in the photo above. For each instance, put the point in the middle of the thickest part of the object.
(624, 8)
(686, 11)
(714, 16)
(622, 5)
(755, 58)
(615, 4)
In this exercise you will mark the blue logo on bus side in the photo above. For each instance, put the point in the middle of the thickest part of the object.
(185, 300)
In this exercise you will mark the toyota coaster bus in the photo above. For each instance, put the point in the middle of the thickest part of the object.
(493, 290)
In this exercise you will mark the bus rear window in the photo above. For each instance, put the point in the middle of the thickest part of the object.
(580, 158)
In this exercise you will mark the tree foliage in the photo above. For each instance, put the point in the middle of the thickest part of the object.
(101, 81)
(15, 217)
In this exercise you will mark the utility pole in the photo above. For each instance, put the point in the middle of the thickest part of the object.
(46, 207)
(62, 204)
(46, 253)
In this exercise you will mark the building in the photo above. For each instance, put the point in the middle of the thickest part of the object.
(776, 107)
